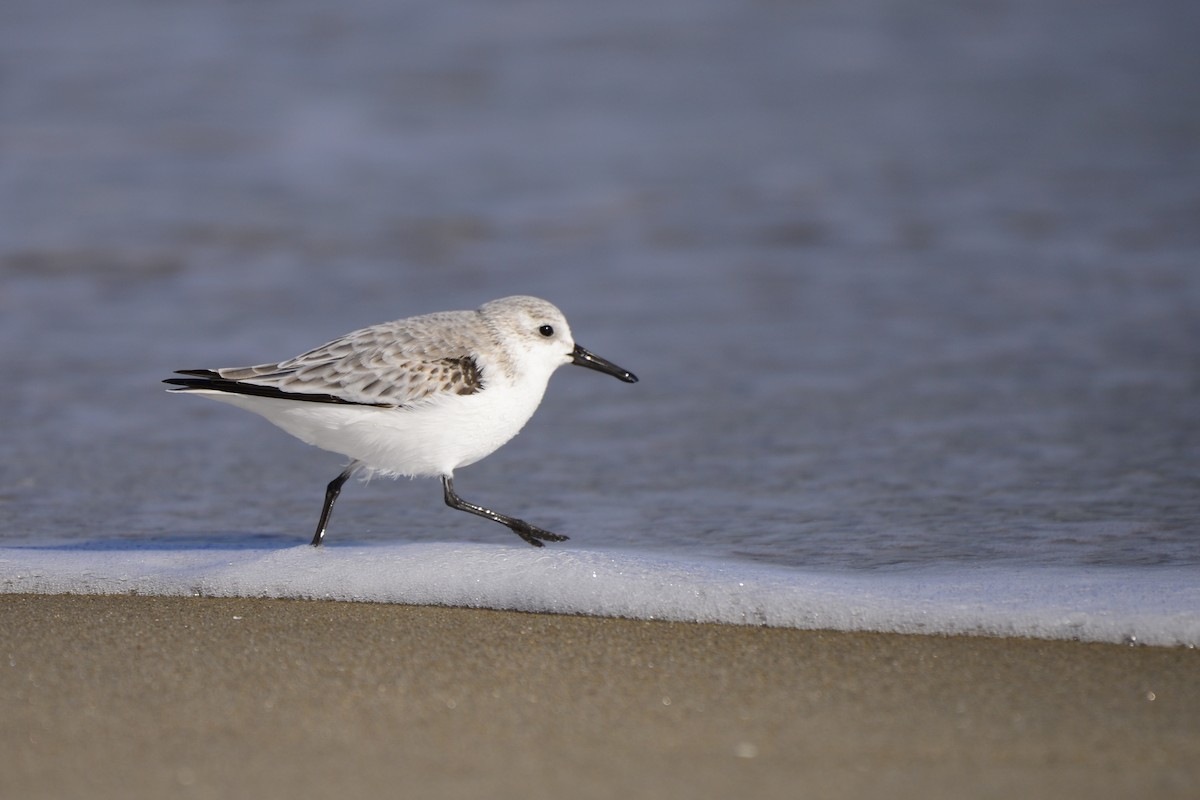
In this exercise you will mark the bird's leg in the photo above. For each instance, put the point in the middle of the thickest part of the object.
(529, 533)
(331, 495)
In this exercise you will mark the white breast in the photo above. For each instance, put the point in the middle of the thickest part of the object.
(430, 439)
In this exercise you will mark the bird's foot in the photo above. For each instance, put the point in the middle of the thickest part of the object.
(534, 535)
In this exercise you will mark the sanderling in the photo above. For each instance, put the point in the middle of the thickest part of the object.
(419, 397)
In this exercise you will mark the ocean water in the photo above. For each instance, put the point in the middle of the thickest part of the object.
(913, 291)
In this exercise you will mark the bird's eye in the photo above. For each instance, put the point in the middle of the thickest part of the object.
(546, 331)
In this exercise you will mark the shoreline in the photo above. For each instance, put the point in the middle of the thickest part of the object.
(120, 696)
(1054, 603)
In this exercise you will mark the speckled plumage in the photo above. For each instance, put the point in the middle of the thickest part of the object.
(394, 364)
(417, 396)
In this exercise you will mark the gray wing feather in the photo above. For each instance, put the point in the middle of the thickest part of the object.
(396, 363)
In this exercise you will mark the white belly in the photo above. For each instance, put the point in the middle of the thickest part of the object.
(427, 440)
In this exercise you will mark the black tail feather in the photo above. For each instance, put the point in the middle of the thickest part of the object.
(211, 381)
(199, 373)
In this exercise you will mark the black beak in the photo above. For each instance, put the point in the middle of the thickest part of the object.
(583, 358)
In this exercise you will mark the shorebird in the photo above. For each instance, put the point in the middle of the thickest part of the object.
(420, 396)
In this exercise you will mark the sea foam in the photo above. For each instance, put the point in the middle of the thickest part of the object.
(1153, 607)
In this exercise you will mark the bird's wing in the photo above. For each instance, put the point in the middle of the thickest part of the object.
(390, 365)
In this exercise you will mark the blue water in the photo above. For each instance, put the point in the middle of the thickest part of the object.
(912, 291)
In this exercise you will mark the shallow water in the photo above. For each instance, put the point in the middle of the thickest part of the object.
(908, 287)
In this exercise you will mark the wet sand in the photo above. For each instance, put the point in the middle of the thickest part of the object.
(188, 697)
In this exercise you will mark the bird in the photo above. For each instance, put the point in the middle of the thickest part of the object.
(416, 397)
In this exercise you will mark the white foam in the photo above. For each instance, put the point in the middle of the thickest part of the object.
(1154, 607)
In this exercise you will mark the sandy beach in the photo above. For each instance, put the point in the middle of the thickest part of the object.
(189, 697)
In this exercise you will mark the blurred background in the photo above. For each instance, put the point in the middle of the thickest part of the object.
(906, 282)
